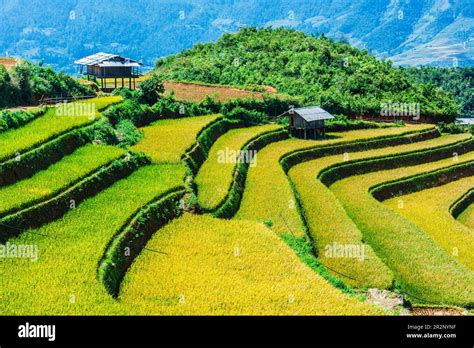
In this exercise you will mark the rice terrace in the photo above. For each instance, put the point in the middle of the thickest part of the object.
(268, 172)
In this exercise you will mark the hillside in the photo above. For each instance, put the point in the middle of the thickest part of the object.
(409, 32)
(26, 83)
(342, 79)
(459, 82)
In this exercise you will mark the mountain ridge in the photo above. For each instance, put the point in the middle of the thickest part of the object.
(435, 32)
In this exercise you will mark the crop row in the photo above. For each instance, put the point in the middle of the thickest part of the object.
(462, 203)
(328, 223)
(429, 209)
(268, 196)
(424, 271)
(342, 170)
(215, 175)
(52, 208)
(57, 178)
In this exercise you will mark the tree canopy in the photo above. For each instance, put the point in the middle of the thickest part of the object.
(340, 78)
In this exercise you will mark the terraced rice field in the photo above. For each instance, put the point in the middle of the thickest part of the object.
(329, 224)
(211, 266)
(51, 125)
(200, 265)
(429, 209)
(57, 177)
(70, 249)
(166, 140)
(215, 176)
(268, 197)
(423, 269)
(467, 217)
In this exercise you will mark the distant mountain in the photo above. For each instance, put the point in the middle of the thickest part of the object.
(437, 32)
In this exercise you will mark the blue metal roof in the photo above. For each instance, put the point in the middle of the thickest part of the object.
(313, 113)
(107, 60)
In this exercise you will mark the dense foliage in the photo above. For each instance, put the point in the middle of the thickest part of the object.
(340, 78)
(457, 81)
(342, 124)
(15, 119)
(247, 116)
(27, 83)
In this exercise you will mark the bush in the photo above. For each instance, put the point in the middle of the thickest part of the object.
(27, 83)
(269, 105)
(139, 114)
(246, 116)
(126, 93)
(151, 89)
(341, 124)
(169, 107)
(127, 133)
(452, 128)
(104, 133)
(15, 119)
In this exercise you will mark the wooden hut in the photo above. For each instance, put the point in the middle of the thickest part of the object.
(308, 122)
(111, 70)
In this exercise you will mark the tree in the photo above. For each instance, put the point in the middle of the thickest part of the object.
(151, 89)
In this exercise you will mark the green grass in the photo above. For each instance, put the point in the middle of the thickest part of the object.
(215, 176)
(57, 177)
(208, 266)
(467, 217)
(268, 196)
(48, 126)
(166, 140)
(70, 248)
(425, 272)
(328, 222)
(429, 209)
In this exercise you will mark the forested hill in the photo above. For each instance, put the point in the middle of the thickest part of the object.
(335, 75)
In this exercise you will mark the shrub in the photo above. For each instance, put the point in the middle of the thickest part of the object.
(27, 83)
(341, 124)
(246, 116)
(15, 119)
(138, 114)
(127, 133)
(169, 107)
(452, 128)
(150, 90)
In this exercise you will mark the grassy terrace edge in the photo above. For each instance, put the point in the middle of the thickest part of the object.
(80, 179)
(291, 159)
(419, 182)
(229, 205)
(133, 236)
(462, 203)
(54, 207)
(339, 171)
